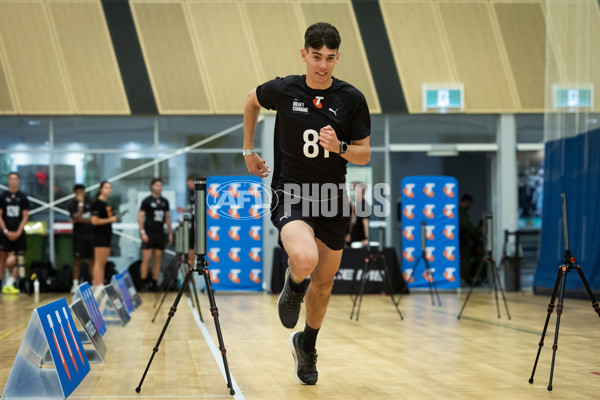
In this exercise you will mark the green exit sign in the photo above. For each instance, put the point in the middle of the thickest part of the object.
(442, 98)
(573, 97)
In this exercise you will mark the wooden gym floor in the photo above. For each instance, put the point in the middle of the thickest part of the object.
(429, 355)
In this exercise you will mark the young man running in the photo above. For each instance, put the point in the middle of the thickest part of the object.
(321, 124)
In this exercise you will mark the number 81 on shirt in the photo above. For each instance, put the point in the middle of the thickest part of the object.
(311, 144)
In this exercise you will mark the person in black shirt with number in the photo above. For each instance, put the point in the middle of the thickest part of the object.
(14, 213)
(80, 209)
(321, 124)
(154, 213)
(102, 220)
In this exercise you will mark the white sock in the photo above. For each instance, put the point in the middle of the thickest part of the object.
(10, 281)
(75, 282)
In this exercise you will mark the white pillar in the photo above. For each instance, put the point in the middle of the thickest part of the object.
(505, 205)
(270, 233)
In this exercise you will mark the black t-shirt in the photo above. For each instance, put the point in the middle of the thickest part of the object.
(101, 209)
(192, 200)
(81, 228)
(301, 113)
(156, 210)
(12, 206)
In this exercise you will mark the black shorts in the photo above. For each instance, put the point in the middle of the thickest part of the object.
(19, 245)
(192, 236)
(331, 231)
(83, 246)
(156, 240)
(102, 240)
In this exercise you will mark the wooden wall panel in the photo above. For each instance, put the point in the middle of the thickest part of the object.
(228, 54)
(523, 29)
(419, 47)
(88, 57)
(7, 106)
(32, 59)
(480, 59)
(574, 28)
(353, 66)
(166, 39)
(278, 32)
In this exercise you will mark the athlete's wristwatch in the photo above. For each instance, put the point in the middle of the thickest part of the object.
(247, 152)
(343, 148)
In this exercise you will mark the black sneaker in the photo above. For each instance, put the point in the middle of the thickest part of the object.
(305, 364)
(289, 303)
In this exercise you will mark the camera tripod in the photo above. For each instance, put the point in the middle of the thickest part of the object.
(201, 268)
(428, 274)
(569, 263)
(489, 262)
(180, 260)
(375, 258)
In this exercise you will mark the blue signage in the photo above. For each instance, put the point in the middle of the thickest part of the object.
(235, 207)
(119, 282)
(433, 199)
(86, 294)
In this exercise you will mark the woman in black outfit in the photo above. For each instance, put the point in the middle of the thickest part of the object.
(102, 220)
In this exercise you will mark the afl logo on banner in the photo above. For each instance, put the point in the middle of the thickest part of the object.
(449, 210)
(407, 274)
(233, 211)
(449, 189)
(407, 232)
(254, 232)
(213, 190)
(429, 253)
(428, 189)
(428, 211)
(213, 233)
(254, 189)
(233, 254)
(213, 254)
(233, 189)
(449, 231)
(255, 275)
(408, 190)
(234, 275)
(408, 211)
(233, 232)
(449, 274)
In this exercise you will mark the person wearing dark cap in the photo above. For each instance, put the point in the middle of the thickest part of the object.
(80, 209)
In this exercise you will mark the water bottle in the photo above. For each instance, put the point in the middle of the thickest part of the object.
(36, 286)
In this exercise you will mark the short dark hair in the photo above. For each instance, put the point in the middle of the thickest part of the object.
(466, 197)
(193, 177)
(320, 34)
(78, 186)
(13, 173)
(154, 180)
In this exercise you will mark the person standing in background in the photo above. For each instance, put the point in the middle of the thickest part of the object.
(153, 214)
(14, 214)
(102, 219)
(80, 209)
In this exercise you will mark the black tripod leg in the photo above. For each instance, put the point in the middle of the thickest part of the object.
(589, 291)
(550, 309)
(169, 270)
(389, 286)
(473, 282)
(196, 298)
(435, 289)
(412, 273)
(359, 296)
(502, 290)
(166, 291)
(171, 315)
(496, 281)
(214, 310)
(559, 310)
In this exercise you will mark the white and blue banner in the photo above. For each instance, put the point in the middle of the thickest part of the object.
(235, 208)
(433, 199)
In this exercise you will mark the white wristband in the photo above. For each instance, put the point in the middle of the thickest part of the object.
(5, 231)
(247, 152)
(143, 232)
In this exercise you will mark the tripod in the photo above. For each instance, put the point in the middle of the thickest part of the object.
(489, 262)
(377, 258)
(181, 240)
(429, 275)
(201, 269)
(561, 280)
